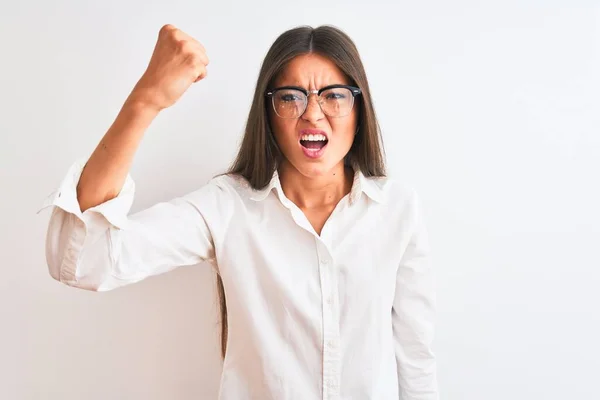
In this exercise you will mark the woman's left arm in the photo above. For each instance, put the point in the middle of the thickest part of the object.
(413, 314)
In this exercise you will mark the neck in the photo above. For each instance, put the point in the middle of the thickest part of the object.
(322, 191)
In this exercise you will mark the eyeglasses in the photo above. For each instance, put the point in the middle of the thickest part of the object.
(334, 100)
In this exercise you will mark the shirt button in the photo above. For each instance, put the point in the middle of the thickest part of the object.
(324, 261)
(329, 300)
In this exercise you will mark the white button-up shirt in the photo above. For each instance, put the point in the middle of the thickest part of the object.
(347, 314)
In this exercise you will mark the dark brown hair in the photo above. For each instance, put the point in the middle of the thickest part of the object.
(259, 154)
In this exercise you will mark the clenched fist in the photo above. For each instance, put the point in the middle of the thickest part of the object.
(178, 61)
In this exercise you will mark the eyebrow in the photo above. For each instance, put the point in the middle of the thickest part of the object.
(305, 88)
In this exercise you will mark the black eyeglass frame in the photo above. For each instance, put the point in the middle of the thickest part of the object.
(353, 89)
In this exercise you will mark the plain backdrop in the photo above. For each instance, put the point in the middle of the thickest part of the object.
(489, 109)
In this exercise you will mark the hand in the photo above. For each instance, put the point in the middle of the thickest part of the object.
(178, 61)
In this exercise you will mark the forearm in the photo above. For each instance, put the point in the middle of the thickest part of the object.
(105, 172)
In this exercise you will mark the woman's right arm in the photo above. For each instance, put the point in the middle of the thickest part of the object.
(104, 173)
(91, 242)
(177, 62)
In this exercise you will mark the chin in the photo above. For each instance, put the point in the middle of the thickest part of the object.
(315, 169)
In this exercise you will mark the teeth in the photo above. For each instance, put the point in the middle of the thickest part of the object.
(314, 138)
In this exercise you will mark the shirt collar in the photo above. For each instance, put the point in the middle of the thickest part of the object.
(372, 187)
(259, 195)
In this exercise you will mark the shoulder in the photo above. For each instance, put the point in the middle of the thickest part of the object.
(401, 200)
(218, 201)
(216, 195)
(232, 185)
(226, 189)
(395, 192)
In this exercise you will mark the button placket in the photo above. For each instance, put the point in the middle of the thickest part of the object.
(331, 356)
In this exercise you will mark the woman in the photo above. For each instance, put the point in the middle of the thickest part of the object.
(322, 262)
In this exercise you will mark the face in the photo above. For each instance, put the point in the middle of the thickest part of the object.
(313, 157)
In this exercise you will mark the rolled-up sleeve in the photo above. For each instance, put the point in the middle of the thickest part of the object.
(104, 248)
(413, 314)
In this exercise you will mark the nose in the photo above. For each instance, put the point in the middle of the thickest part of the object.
(313, 112)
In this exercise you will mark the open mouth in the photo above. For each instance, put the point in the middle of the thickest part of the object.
(313, 142)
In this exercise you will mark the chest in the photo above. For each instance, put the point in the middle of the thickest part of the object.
(294, 259)
(318, 217)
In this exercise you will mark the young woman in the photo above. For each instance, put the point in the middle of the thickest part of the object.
(322, 262)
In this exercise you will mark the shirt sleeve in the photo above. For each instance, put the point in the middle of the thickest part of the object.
(413, 314)
(104, 248)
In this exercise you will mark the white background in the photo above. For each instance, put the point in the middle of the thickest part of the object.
(491, 110)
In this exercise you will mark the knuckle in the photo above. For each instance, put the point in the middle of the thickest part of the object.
(167, 28)
(191, 58)
(187, 47)
(180, 45)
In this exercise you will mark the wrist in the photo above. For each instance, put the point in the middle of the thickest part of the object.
(139, 102)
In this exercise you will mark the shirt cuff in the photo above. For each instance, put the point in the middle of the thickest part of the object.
(114, 210)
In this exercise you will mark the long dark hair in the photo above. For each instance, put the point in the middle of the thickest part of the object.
(259, 154)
